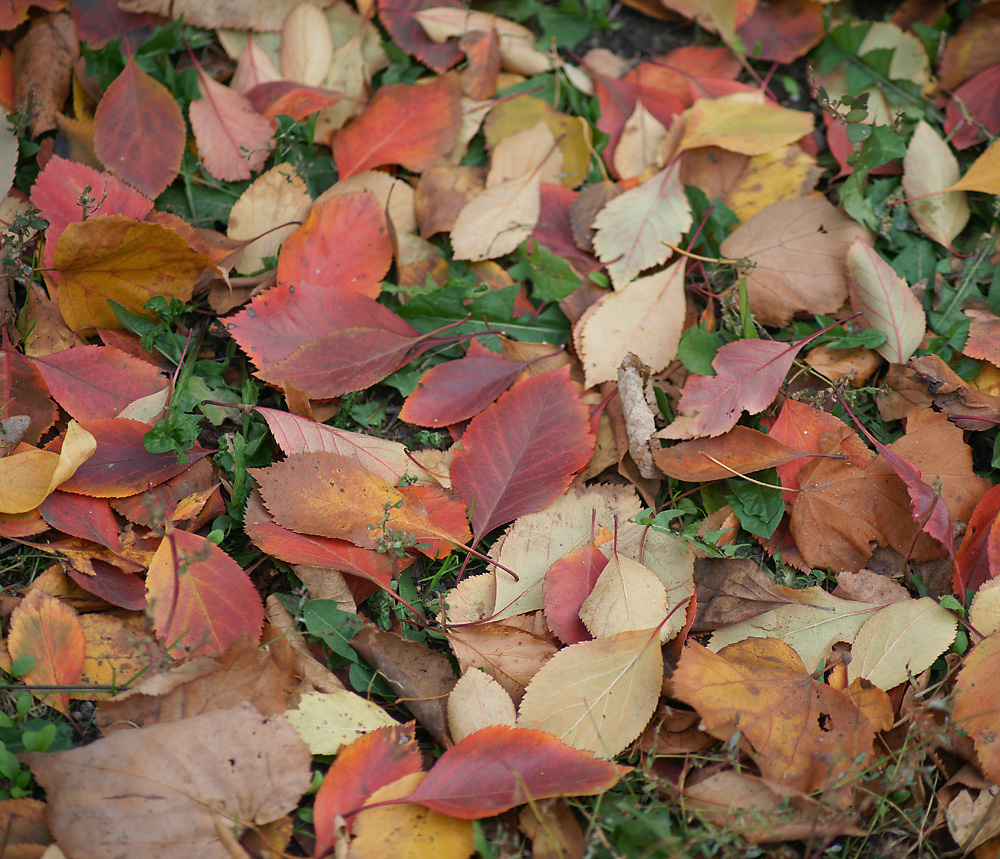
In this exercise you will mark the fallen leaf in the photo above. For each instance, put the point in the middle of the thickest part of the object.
(976, 704)
(797, 248)
(741, 450)
(139, 132)
(597, 695)
(398, 18)
(29, 477)
(801, 733)
(983, 175)
(625, 598)
(499, 768)
(497, 220)
(477, 702)
(930, 166)
(212, 771)
(732, 590)
(886, 303)
(634, 229)
(414, 126)
(306, 45)
(328, 721)
(520, 454)
(112, 256)
(742, 122)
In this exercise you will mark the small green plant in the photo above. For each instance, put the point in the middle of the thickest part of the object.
(22, 729)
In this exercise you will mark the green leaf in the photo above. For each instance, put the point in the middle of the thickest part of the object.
(697, 350)
(336, 628)
(552, 278)
(758, 508)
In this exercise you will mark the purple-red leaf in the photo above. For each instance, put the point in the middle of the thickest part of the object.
(521, 453)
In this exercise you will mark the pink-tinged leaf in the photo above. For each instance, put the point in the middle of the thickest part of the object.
(344, 245)
(199, 597)
(294, 434)
(886, 303)
(407, 124)
(233, 139)
(566, 587)
(521, 453)
(139, 132)
(95, 382)
(749, 374)
(121, 465)
(555, 230)
(974, 560)
(276, 98)
(325, 342)
(361, 768)
(397, 16)
(328, 552)
(458, 390)
(81, 516)
(499, 768)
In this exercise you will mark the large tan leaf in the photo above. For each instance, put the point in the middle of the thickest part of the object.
(798, 248)
(532, 149)
(175, 790)
(496, 221)
(645, 319)
(267, 212)
(326, 721)
(476, 702)
(886, 303)
(29, 477)
(634, 229)
(238, 14)
(901, 641)
(928, 168)
(811, 626)
(112, 256)
(306, 45)
(597, 695)
(640, 146)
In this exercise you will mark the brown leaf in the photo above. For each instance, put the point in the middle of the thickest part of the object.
(173, 790)
(742, 449)
(422, 678)
(43, 64)
(731, 590)
(968, 408)
(801, 733)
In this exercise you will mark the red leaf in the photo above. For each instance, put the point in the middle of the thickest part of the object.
(975, 103)
(397, 17)
(521, 453)
(554, 229)
(125, 590)
(139, 132)
(344, 245)
(741, 450)
(750, 372)
(498, 768)
(95, 382)
(415, 126)
(199, 597)
(680, 70)
(458, 390)
(783, 30)
(326, 342)
(566, 587)
(81, 516)
(22, 392)
(973, 560)
(296, 100)
(121, 465)
(327, 552)
(370, 762)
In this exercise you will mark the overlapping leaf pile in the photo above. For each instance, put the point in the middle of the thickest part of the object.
(682, 345)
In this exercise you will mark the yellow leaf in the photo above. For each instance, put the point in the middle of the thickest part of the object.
(112, 256)
(742, 122)
(28, 478)
(408, 831)
(328, 720)
(597, 695)
(626, 597)
(984, 174)
(787, 173)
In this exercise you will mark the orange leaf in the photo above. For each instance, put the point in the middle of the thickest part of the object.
(415, 126)
(199, 597)
(344, 244)
(47, 630)
(802, 733)
(742, 449)
(139, 132)
(115, 257)
(233, 139)
(977, 703)
(333, 496)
